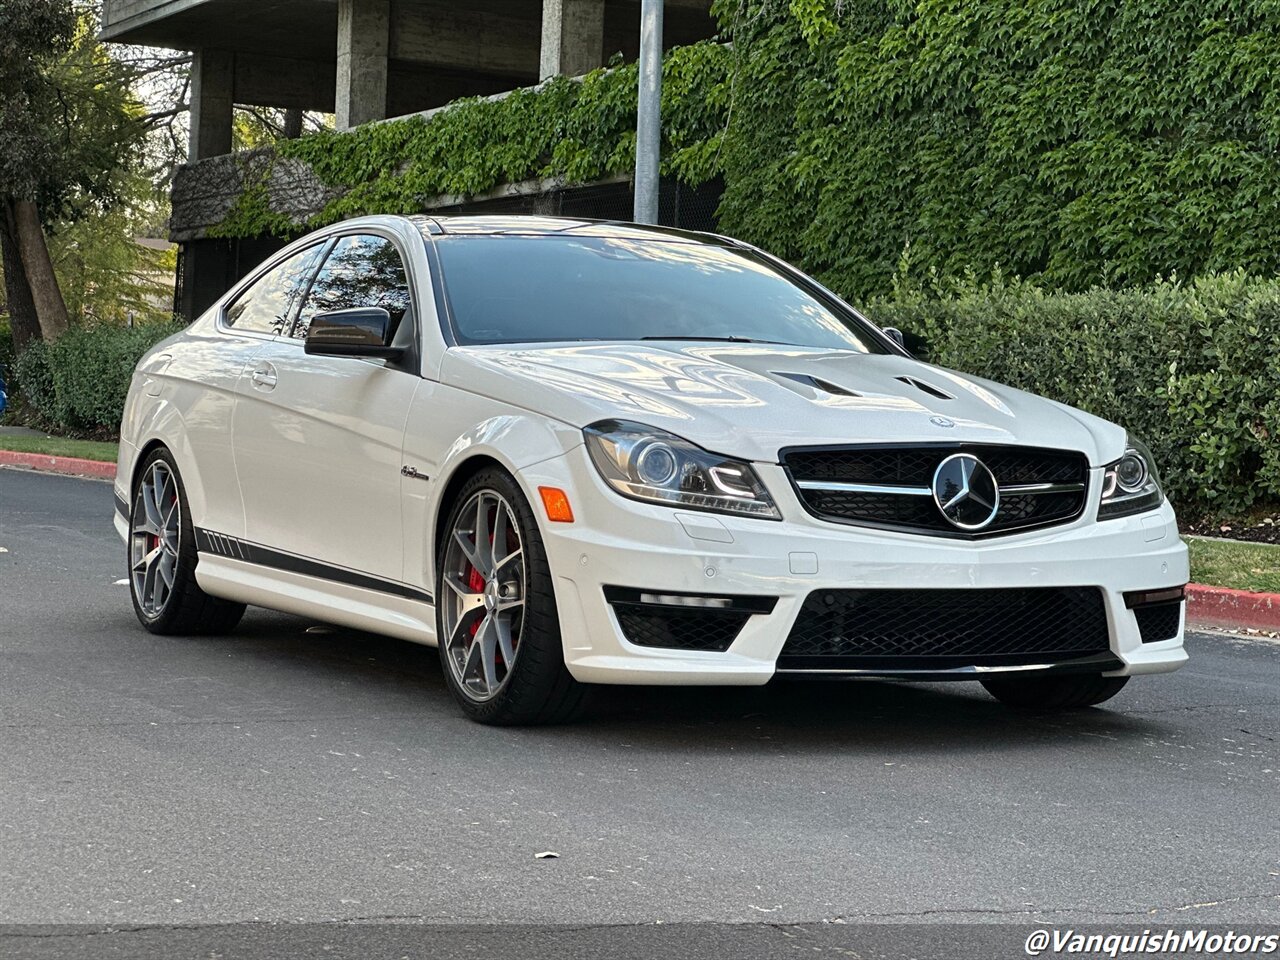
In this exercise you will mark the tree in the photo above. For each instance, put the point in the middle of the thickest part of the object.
(69, 128)
(31, 34)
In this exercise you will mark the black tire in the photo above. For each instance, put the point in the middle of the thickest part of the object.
(187, 610)
(1068, 692)
(538, 688)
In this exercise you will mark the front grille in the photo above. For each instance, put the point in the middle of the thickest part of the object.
(1159, 621)
(944, 629)
(893, 485)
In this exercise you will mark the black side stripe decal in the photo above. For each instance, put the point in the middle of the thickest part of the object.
(219, 543)
(122, 508)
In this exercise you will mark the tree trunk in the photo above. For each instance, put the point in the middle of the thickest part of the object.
(23, 320)
(50, 307)
(292, 123)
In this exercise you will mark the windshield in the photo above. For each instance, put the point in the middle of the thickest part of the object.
(518, 289)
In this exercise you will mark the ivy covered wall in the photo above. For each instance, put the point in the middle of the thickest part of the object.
(570, 130)
(1072, 142)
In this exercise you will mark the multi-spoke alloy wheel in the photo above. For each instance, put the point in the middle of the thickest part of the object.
(162, 557)
(484, 604)
(496, 615)
(156, 538)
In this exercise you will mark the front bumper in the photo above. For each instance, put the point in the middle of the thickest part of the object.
(615, 542)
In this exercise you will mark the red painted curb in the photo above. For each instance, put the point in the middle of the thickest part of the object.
(1240, 609)
(68, 466)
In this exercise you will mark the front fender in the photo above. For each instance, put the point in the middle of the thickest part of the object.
(508, 436)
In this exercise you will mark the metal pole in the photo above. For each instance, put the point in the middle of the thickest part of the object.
(649, 115)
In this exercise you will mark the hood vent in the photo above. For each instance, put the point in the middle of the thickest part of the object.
(928, 388)
(823, 386)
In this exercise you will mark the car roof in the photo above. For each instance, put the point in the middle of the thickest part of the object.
(540, 226)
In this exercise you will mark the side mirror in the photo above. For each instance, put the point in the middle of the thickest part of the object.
(894, 334)
(356, 332)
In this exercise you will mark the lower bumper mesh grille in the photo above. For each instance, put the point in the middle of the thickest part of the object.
(945, 629)
(1159, 621)
(680, 629)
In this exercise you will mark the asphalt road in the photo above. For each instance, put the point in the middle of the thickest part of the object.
(281, 774)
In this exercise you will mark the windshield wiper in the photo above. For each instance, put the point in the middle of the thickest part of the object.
(778, 343)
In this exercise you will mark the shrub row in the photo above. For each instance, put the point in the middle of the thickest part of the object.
(1191, 368)
(78, 384)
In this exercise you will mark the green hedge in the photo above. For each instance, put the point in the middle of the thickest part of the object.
(78, 384)
(1193, 369)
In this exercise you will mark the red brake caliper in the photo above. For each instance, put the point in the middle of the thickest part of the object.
(475, 583)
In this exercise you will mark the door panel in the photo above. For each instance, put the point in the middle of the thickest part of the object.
(318, 454)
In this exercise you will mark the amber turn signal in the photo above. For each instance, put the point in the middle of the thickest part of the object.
(556, 503)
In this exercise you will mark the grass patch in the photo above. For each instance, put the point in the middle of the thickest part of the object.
(1236, 564)
(60, 447)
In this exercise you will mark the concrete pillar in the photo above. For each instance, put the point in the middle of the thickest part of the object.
(212, 96)
(572, 37)
(364, 28)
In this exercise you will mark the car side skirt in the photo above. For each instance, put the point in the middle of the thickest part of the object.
(250, 573)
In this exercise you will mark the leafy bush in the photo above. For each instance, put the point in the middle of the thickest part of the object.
(1192, 369)
(78, 384)
(33, 381)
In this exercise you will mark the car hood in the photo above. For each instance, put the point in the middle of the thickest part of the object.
(751, 400)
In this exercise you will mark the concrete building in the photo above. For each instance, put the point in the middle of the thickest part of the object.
(366, 60)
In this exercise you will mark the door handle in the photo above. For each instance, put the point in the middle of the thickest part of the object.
(264, 376)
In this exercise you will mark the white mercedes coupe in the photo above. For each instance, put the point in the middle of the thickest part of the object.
(570, 452)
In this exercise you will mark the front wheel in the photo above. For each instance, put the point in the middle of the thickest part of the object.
(1069, 692)
(496, 620)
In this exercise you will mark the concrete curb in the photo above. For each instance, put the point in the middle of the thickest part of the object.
(1238, 609)
(68, 466)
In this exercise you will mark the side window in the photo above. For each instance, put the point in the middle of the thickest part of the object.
(267, 306)
(360, 271)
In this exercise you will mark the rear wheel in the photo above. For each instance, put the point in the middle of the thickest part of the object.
(162, 558)
(499, 633)
(1068, 692)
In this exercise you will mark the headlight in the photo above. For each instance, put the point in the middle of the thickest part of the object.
(648, 464)
(1131, 484)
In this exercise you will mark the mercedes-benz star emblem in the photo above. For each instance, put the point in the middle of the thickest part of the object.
(966, 492)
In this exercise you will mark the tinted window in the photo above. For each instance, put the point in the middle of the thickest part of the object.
(266, 307)
(508, 289)
(361, 271)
